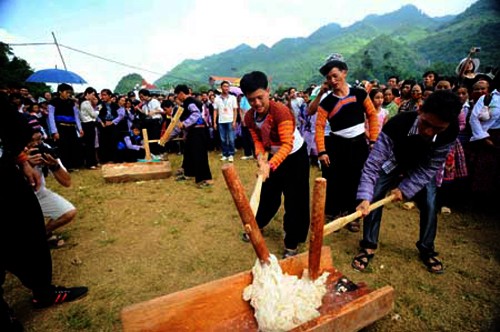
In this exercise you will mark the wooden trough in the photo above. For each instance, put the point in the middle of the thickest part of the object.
(147, 169)
(219, 305)
(139, 171)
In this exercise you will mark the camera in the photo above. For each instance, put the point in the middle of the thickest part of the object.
(45, 149)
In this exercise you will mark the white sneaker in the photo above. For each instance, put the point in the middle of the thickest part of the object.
(246, 158)
(224, 158)
(408, 205)
(445, 210)
(230, 159)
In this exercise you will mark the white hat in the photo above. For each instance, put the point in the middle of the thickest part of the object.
(475, 61)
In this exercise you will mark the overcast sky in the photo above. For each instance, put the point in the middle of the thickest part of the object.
(157, 35)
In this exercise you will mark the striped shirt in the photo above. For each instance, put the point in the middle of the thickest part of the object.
(276, 133)
(383, 157)
(346, 116)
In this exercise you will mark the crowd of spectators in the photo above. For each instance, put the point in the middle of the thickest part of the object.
(93, 128)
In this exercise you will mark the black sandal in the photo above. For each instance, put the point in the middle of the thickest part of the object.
(363, 258)
(431, 262)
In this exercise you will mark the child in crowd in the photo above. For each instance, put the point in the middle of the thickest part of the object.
(131, 147)
(377, 98)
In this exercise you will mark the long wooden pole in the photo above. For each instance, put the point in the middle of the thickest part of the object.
(165, 137)
(247, 217)
(341, 222)
(317, 224)
(255, 198)
(145, 143)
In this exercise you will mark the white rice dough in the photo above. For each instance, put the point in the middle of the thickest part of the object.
(281, 301)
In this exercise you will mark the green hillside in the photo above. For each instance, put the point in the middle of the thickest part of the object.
(404, 42)
(479, 26)
(128, 83)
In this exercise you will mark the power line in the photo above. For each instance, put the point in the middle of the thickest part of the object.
(29, 44)
(110, 60)
(104, 59)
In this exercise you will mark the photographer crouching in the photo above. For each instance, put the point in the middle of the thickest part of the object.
(44, 159)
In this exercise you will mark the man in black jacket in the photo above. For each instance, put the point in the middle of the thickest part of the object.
(407, 155)
(24, 250)
(65, 127)
(195, 163)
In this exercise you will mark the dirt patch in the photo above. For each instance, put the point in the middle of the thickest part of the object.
(136, 241)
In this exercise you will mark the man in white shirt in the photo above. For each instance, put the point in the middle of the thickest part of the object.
(151, 108)
(296, 104)
(225, 113)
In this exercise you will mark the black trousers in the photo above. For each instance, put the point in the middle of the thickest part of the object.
(347, 158)
(89, 150)
(23, 244)
(195, 162)
(70, 148)
(290, 179)
(108, 144)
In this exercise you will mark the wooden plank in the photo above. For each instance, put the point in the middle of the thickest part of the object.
(219, 306)
(139, 171)
(357, 313)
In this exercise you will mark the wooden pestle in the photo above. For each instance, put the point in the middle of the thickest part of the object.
(247, 217)
(317, 224)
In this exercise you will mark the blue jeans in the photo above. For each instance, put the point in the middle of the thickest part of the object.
(226, 132)
(426, 203)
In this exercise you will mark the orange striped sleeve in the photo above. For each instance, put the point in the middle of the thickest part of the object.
(320, 129)
(259, 147)
(371, 114)
(285, 131)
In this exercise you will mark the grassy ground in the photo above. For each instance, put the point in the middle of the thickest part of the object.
(132, 242)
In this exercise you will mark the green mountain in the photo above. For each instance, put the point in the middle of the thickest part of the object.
(128, 83)
(405, 42)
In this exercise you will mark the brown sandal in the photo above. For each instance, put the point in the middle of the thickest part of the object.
(353, 226)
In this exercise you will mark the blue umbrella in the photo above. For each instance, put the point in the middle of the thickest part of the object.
(55, 76)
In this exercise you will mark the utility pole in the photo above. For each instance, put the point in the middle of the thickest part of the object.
(59, 50)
